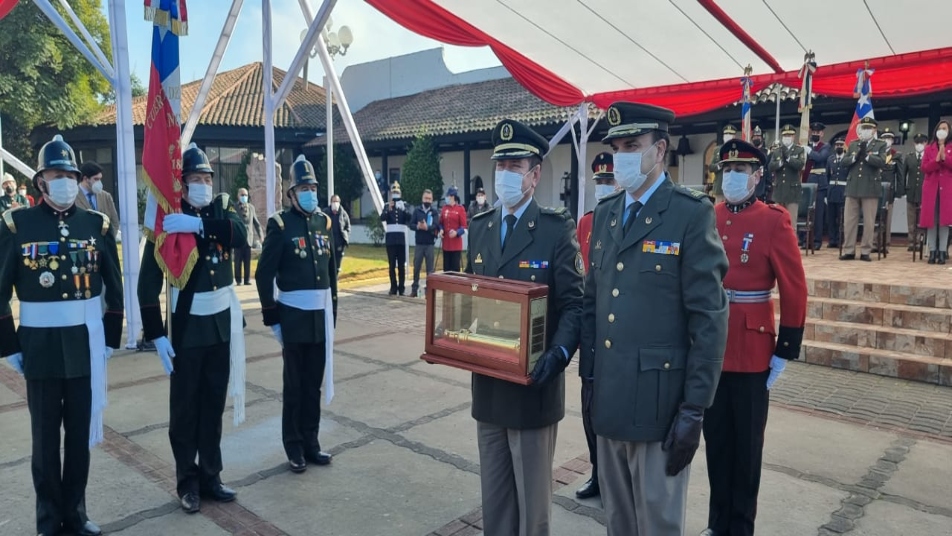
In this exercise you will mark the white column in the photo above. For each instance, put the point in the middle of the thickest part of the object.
(329, 91)
(582, 156)
(1, 146)
(268, 91)
(126, 168)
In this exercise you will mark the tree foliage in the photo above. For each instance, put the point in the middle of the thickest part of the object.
(44, 80)
(348, 182)
(421, 171)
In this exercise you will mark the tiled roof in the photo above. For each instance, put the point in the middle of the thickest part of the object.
(236, 100)
(456, 109)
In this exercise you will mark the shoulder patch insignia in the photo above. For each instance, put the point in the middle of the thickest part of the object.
(8, 218)
(105, 220)
(562, 212)
(278, 219)
(579, 263)
(691, 192)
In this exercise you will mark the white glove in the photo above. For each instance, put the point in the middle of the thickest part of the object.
(164, 348)
(808, 149)
(108, 353)
(401, 205)
(16, 361)
(182, 223)
(276, 329)
(777, 365)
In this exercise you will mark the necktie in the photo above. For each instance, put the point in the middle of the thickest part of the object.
(510, 221)
(632, 215)
(90, 196)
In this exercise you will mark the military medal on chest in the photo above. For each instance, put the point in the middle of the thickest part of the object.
(47, 279)
(53, 248)
(63, 229)
(745, 248)
(301, 249)
(320, 243)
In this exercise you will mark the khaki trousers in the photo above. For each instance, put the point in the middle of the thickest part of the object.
(793, 209)
(851, 214)
(515, 474)
(889, 218)
(639, 498)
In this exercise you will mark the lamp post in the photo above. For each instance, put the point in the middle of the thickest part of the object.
(337, 44)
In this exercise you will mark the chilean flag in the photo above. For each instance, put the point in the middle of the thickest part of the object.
(864, 103)
(162, 145)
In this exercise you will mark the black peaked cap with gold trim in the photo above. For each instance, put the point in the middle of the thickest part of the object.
(603, 166)
(741, 151)
(632, 119)
(514, 140)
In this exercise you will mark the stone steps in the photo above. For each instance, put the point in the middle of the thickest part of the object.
(889, 315)
(875, 361)
(906, 341)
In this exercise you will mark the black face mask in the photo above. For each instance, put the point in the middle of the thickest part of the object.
(815, 138)
(8, 190)
(426, 206)
(839, 150)
(758, 142)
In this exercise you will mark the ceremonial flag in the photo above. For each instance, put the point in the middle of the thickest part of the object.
(162, 149)
(806, 96)
(746, 83)
(864, 103)
(6, 6)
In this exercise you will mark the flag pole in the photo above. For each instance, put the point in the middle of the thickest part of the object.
(806, 95)
(746, 83)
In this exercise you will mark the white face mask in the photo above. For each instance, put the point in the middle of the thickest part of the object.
(335, 206)
(509, 187)
(736, 186)
(23, 193)
(199, 194)
(888, 142)
(97, 187)
(787, 141)
(481, 199)
(920, 147)
(941, 134)
(62, 190)
(628, 172)
(865, 134)
(603, 190)
(728, 137)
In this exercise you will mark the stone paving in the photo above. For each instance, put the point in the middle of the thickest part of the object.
(846, 452)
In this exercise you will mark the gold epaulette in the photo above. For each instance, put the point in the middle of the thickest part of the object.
(105, 220)
(278, 219)
(8, 218)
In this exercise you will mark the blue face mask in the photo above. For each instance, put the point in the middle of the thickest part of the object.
(308, 200)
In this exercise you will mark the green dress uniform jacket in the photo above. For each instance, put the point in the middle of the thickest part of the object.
(542, 236)
(912, 177)
(39, 248)
(786, 163)
(298, 254)
(654, 320)
(866, 161)
(714, 167)
(223, 231)
(892, 173)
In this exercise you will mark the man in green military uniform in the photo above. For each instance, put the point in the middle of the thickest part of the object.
(786, 161)
(866, 158)
(892, 173)
(714, 166)
(912, 177)
(516, 425)
(206, 331)
(654, 327)
(298, 256)
(60, 258)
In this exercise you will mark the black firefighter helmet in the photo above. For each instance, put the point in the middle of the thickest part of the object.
(194, 160)
(302, 172)
(55, 154)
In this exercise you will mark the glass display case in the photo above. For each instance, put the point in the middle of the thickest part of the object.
(495, 327)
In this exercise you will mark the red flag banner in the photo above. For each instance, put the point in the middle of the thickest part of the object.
(6, 6)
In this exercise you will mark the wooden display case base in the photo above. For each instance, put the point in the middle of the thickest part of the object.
(478, 369)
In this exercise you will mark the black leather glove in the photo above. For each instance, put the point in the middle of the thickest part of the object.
(550, 365)
(683, 439)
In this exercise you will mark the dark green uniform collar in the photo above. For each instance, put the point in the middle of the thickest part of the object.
(60, 214)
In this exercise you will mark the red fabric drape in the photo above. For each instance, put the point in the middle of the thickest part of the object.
(904, 74)
(6, 6)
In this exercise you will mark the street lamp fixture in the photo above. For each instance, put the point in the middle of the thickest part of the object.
(337, 42)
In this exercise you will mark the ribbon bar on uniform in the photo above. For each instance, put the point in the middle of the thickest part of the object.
(748, 296)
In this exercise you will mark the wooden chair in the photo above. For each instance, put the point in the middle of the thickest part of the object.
(882, 212)
(806, 215)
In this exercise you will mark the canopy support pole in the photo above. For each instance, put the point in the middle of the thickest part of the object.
(89, 38)
(126, 168)
(16, 163)
(267, 83)
(57, 20)
(211, 72)
(329, 135)
(582, 152)
(569, 124)
(777, 118)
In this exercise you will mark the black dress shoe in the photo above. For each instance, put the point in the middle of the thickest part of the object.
(865, 258)
(708, 532)
(220, 493)
(317, 457)
(588, 490)
(191, 503)
(297, 464)
(943, 256)
(86, 529)
(832, 246)
(848, 257)
(933, 256)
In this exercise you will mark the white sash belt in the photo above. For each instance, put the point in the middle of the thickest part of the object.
(214, 302)
(396, 227)
(77, 313)
(317, 300)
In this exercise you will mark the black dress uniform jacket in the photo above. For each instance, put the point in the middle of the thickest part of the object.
(654, 323)
(51, 353)
(223, 231)
(541, 234)
(281, 259)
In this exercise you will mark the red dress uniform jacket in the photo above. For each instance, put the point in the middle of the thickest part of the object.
(773, 257)
(453, 218)
(584, 232)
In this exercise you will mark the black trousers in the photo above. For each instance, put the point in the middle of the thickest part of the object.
(197, 395)
(301, 415)
(734, 433)
(834, 215)
(243, 260)
(397, 256)
(452, 261)
(60, 494)
(588, 392)
(340, 257)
